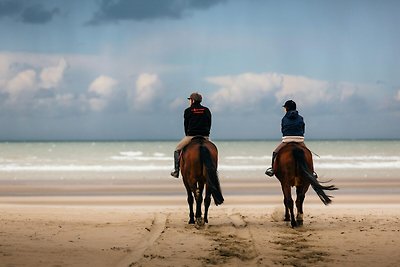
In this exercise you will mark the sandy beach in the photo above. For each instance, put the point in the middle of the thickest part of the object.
(82, 226)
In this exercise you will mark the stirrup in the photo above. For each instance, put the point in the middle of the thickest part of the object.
(175, 173)
(269, 172)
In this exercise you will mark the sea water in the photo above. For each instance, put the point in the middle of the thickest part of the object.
(29, 161)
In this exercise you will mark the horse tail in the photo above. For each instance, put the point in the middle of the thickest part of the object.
(212, 175)
(298, 155)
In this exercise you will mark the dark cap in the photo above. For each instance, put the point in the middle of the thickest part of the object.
(196, 97)
(290, 105)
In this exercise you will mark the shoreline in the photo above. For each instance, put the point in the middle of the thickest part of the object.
(165, 201)
(171, 191)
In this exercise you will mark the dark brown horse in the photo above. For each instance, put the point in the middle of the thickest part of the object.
(198, 164)
(294, 167)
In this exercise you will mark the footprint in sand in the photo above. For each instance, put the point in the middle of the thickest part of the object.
(153, 233)
(233, 245)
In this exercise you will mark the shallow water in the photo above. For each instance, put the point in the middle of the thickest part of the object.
(153, 159)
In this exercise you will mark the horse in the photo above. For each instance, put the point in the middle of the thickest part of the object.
(294, 167)
(199, 160)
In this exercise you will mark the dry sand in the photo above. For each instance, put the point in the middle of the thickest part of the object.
(125, 231)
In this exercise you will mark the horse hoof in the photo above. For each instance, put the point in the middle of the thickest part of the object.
(294, 224)
(205, 220)
(200, 221)
(191, 221)
(299, 223)
(286, 220)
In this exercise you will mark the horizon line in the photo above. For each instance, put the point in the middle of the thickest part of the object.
(177, 140)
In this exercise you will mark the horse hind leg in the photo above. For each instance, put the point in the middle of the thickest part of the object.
(199, 201)
(299, 204)
(287, 214)
(289, 204)
(207, 202)
(190, 201)
(299, 219)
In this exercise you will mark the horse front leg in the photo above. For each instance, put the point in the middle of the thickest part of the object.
(190, 201)
(199, 201)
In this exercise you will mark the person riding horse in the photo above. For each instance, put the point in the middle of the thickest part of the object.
(197, 122)
(292, 127)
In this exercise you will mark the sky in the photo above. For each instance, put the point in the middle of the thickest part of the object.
(123, 69)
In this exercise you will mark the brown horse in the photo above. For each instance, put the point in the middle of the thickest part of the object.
(198, 164)
(294, 167)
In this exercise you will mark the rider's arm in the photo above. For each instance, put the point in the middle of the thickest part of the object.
(186, 121)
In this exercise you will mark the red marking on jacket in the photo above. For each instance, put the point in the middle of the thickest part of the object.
(198, 110)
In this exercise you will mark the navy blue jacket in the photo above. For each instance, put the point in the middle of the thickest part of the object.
(292, 124)
(197, 120)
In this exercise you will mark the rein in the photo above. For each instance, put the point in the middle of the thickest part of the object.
(315, 154)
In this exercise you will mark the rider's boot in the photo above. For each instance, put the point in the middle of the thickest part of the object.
(175, 172)
(270, 170)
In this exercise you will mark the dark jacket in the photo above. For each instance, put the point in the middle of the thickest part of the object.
(292, 124)
(197, 120)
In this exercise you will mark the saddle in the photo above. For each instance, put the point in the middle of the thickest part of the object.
(198, 138)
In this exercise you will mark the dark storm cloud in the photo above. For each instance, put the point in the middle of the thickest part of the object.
(38, 14)
(9, 8)
(139, 10)
(27, 13)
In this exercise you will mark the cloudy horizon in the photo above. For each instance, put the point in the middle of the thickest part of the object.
(122, 70)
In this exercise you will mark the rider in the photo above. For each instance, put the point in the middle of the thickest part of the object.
(197, 122)
(292, 128)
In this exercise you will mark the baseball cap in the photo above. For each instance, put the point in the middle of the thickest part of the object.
(196, 97)
(290, 105)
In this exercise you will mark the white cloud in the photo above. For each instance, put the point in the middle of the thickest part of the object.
(97, 104)
(103, 87)
(52, 76)
(347, 90)
(148, 87)
(304, 90)
(65, 100)
(178, 103)
(22, 83)
(23, 75)
(249, 89)
(243, 89)
(4, 66)
(397, 97)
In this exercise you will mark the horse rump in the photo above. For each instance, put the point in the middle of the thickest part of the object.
(299, 156)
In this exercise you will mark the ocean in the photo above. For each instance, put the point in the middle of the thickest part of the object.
(58, 161)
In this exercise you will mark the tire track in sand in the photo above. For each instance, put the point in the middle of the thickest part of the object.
(154, 232)
(234, 244)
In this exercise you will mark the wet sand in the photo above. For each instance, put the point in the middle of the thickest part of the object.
(89, 226)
